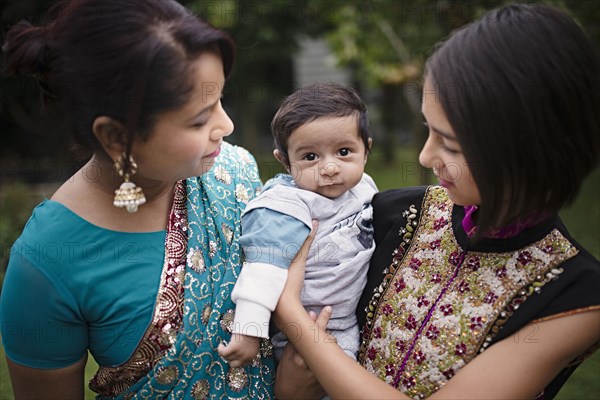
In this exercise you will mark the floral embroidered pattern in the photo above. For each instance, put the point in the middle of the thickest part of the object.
(177, 356)
(406, 233)
(438, 306)
(195, 260)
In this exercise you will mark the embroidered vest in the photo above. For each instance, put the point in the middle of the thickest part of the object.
(439, 305)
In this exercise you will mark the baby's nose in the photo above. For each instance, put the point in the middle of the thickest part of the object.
(330, 169)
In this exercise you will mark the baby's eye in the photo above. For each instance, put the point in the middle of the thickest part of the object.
(344, 152)
(310, 157)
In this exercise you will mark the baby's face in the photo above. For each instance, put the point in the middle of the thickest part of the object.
(327, 156)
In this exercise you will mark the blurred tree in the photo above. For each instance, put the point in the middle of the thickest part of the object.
(386, 43)
(382, 42)
(266, 36)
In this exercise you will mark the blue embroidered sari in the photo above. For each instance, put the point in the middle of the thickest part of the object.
(177, 357)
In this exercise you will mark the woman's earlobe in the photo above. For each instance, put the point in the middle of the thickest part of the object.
(111, 135)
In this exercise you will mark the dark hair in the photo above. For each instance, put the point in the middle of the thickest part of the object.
(315, 101)
(521, 89)
(126, 59)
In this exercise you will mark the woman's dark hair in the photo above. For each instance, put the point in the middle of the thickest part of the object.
(126, 59)
(521, 89)
(315, 101)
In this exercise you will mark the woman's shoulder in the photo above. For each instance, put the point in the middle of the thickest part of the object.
(51, 219)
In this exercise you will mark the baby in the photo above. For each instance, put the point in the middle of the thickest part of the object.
(322, 138)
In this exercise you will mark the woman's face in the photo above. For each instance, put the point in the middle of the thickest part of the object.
(443, 153)
(186, 141)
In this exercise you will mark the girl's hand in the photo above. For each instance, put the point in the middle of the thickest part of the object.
(294, 379)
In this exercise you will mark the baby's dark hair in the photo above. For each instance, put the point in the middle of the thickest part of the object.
(316, 101)
(521, 90)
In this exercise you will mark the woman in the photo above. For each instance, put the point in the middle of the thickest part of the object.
(134, 257)
(476, 289)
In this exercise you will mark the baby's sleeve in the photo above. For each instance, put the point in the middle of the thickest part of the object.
(41, 324)
(270, 237)
(270, 241)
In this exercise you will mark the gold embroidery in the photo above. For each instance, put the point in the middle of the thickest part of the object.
(227, 321)
(201, 389)
(438, 304)
(227, 232)
(195, 259)
(237, 379)
(242, 193)
(206, 314)
(168, 375)
(222, 174)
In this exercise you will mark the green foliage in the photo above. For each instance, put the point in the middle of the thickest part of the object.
(16, 203)
(387, 42)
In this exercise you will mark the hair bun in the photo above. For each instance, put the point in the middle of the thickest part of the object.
(25, 49)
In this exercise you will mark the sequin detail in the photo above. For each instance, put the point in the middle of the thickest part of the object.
(195, 259)
(237, 379)
(213, 213)
(201, 390)
(227, 321)
(168, 375)
(222, 174)
(439, 306)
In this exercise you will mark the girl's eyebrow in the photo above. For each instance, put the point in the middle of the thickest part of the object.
(443, 134)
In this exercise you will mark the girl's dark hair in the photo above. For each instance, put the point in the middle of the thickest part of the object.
(127, 59)
(521, 89)
(315, 101)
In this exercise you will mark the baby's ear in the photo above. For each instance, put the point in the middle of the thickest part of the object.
(282, 159)
(368, 150)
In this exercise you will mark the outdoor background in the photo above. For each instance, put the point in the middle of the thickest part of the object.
(378, 47)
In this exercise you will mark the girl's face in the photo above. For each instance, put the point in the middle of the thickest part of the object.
(443, 153)
(327, 156)
(186, 141)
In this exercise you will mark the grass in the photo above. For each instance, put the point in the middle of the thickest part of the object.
(582, 218)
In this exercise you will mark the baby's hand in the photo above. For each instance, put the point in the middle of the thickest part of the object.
(240, 351)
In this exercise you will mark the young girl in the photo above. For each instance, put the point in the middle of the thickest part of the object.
(476, 289)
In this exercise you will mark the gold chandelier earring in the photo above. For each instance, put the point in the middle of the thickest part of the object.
(128, 195)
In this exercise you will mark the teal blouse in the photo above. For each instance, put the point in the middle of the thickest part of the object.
(89, 287)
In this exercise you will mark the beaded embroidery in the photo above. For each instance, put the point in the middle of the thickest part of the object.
(438, 306)
(188, 365)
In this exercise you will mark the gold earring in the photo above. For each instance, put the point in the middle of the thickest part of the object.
(128, 195)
